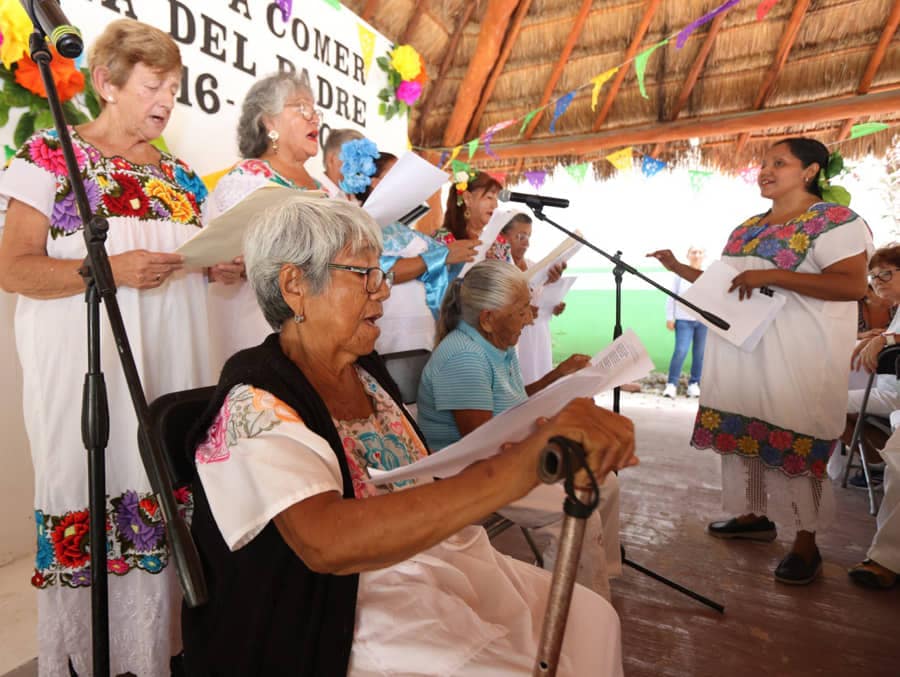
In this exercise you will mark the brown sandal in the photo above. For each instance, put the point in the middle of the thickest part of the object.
(872, 575)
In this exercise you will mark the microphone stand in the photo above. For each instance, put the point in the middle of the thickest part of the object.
(619, 268)
(100, 287)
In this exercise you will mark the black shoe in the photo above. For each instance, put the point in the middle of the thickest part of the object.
(866, 575)
(761, 529)
(794, 570)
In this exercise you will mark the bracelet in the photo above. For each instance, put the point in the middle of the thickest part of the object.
(889, 339)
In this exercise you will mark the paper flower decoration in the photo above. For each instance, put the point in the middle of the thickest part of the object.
(406, 77)
(69, 80)
(16, 29)
(358, 165)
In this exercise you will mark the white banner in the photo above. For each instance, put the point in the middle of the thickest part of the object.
(227, 45)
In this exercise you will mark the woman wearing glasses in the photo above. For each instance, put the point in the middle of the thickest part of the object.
(774, 414)
(312, 569)
(278, 132)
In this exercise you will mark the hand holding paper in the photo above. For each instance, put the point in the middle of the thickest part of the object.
(408, 183)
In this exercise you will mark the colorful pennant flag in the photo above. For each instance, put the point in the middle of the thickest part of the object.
(536, 178)
(285, 6)
(763, 8)
(640, 64)
(621, 159)
(599, 81)
(443, 161)
(650, 166)
(334, 3)
(9, 151)
(459, 166)
(578, 171)
(561, 105)
(366, 46)
(472, 147)
(694, 25)
(750, 175)
(866, 128)
(454, 154)
(489, 135)
(699, 177)
(528, 119)
(499, 176)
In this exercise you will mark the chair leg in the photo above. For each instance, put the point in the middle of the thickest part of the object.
(538, 558)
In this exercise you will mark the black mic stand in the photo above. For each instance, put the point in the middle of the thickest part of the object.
(619, 268)
(100, 286)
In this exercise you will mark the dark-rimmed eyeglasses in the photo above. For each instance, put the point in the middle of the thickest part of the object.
(308, 112)
(884, 275)
(375, 276)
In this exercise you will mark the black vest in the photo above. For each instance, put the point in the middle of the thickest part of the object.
(268, 614)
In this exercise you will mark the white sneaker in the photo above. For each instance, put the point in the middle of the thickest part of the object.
(670, 391)
(693, 390)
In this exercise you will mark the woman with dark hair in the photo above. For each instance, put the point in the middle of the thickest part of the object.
(775, 414)
(470, 205)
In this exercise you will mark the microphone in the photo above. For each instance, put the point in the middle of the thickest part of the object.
(533, 200)
(49, 17)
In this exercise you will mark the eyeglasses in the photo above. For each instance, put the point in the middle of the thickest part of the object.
(308, 112)
(522, 237)
(375, 276)
(884, 275)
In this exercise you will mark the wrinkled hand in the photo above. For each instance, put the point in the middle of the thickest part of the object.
(865, 355)
(670, 325)
(666, 258)
(462, 251)
(869, 334)
(555, 272)
(749, 280)
(572, 364)
(144, 269)
(559, 308)
(228, 273)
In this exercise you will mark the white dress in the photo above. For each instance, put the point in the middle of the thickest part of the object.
(148, 207)
(775, 414)
(535, 345)
(457, 608)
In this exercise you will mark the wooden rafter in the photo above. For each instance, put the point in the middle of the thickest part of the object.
(369, 10)
(417, 14)
(788, 38)
(509, 43)
(883, 103)
(694, 74)
(449, 54)
(649, 11)
(493, 29)
(865, 82)
(561, 62)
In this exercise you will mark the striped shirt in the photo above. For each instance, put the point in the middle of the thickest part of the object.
(466, 371)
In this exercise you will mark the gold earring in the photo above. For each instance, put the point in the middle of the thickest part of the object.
(467, 214)
(274, 136)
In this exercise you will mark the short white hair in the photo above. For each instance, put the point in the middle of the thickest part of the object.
(308, 233)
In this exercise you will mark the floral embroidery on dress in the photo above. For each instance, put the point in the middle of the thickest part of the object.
(115, 186)
(245, 413)
(500, 250)
(795, 454)
(786, 245)
(135, 539)
(257, 167)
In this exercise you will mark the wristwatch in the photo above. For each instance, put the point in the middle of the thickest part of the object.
(890, 339)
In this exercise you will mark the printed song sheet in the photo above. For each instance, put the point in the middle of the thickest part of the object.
(537, 274)
(551, 295)
(623, 361)
(409, 182)
(749, 319)
(223, 237)
(499, 219)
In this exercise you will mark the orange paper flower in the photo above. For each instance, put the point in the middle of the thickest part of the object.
(422, 77)
(69, 80)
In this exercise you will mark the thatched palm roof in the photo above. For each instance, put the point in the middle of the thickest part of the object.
(842, 56)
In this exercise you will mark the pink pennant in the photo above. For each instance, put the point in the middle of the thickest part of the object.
(763, 8)
(500, 177)
(488, 135)
(750, 175)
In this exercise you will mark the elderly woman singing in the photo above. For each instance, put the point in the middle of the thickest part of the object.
(312, 569)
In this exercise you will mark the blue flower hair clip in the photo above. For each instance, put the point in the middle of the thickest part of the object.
(358, 165)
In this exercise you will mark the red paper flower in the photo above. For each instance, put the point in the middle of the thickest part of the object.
(130, 200)
(70, 539)
(69, 80)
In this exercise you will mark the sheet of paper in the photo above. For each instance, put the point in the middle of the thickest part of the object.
(412, 180)
(537, 274)
(223, 237)
(623, 361)
(499, 218)
(553, 294)
(749, 319)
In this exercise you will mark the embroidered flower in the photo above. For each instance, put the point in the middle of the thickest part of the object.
(802, 446)
(117, 566)
(44, 556)
(748, 446)
(817, 468)
(183, 495)
(799, 242)
(710, 419)
(750, 246)
(732, 424)
(771, 456)
(134, 528)
(126, 198)
(258, 167)
(815, 226)
(733, 247)
(838, 214)
(793, 464)
(190, 182)
(64, 218)
(150, 563)
(768, 248)
(38, 580)
(263, 400)
(702, 438)
(786, 259)
(781, 439)
(81, 578)
(725, 442)
(70, 539)
(758, 430)
(48, 155)
(215, 448)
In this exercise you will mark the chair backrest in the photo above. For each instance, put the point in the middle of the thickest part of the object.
(171, 418)
(406, 369)
(889, 361)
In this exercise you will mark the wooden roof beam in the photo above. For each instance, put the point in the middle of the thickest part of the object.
(508, 44)
(865, 82)
(561, 62)
(413, 23)
(788, 38)
(649, 11)
(449, 55)
(883, 103)
(369, 10)
(493, 29)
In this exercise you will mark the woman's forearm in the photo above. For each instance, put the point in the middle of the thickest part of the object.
(685, 272)
(408, 269)
(545, 380)
(41, 277)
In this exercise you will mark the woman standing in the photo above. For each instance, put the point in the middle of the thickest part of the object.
(152, 202)
(470, 207)
(688, 330)
(775, 414)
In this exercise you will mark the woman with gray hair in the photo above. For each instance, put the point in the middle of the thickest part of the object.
(313, 569)
(474, 375)
(278, 132)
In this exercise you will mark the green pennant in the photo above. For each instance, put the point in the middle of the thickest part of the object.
(528, 119)
(334, 3)
(472, 147)
(9, 150)
(578, 172)
(459, 166)
(866, 128)
(640, 65)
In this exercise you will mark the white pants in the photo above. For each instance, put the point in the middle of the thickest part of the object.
(882, 401)
(885, 548)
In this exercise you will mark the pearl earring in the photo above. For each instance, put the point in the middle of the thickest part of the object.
(299, 317)
(273, 136)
